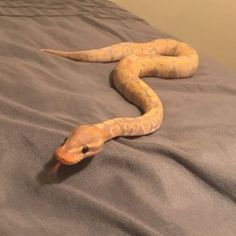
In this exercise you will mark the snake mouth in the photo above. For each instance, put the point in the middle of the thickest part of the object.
(65, 162)
(72, 157)
(68, 161)
(65, 158)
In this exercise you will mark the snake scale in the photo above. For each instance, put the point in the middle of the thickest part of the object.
(164, 58)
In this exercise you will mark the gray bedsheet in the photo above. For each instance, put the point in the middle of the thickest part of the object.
(180, 180)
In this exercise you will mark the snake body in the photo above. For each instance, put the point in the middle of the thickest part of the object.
(165, 58)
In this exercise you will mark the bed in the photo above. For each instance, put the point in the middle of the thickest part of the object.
(180, 180)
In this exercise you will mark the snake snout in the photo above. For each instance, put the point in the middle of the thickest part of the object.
(64, 157)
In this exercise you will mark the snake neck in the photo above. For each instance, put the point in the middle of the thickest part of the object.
(137, 126)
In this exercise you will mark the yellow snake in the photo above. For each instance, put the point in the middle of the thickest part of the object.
(165, 58)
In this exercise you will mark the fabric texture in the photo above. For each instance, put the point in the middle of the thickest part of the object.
(180, 180)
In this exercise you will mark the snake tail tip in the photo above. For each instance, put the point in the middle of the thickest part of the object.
(45, 50)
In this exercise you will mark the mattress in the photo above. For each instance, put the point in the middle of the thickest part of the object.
(180, 180)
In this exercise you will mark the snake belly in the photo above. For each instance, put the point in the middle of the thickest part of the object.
(164, 58)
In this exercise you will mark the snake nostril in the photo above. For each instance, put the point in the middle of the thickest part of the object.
(64, 141)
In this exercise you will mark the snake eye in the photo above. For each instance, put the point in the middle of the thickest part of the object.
(85, 149)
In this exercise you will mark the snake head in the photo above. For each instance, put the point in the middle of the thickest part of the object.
(84, 141)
